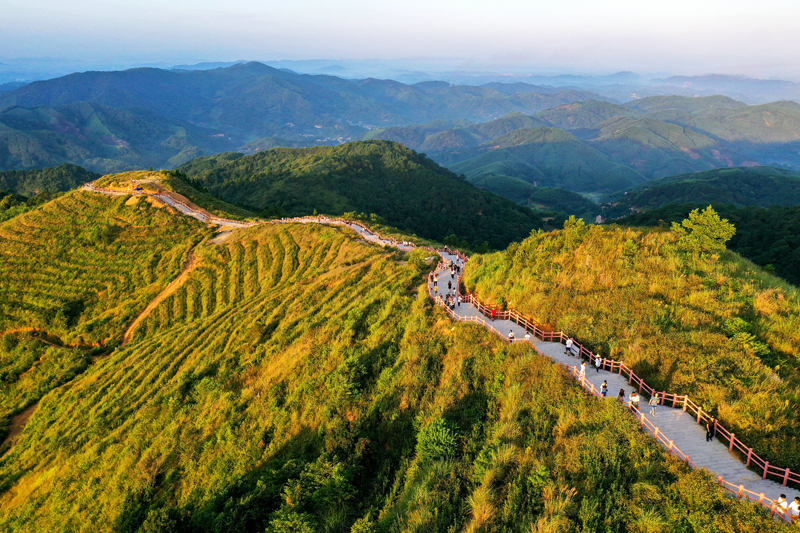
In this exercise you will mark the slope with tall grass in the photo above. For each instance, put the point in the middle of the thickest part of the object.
(715, 326)
(301, 380)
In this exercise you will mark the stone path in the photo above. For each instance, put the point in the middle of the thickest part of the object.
(678, 426)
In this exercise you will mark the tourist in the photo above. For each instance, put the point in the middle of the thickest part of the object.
(781, 503)
(583, 369)
(711, 430)
(510, 336)
(568, 347)
(598, 362)
(621, 396)
(604, 388)
(527, 336)
(794, 509)
(635, 400)
(449, 285)
(494, 314)
(653, 403)
(459, 300)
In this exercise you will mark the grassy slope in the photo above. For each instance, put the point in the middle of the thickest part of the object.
(633, 297)
(290, 382)
(77, 270)
(409, 191)
(770, 237)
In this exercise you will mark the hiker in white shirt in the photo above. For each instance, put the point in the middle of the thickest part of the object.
(568, 347)
(635, 400)
(583, 369)
(598, 363)
(794, 508)
(782, 503)
(527, 336)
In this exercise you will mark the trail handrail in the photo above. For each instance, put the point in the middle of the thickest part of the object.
(683, 401)
(669, 399)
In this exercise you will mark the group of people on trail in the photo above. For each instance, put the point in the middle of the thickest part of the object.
(792, 509)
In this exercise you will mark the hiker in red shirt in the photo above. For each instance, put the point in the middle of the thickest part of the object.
(494, 314)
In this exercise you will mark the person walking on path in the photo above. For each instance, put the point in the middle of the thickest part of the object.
(527, 336)
(621, 396)
(510, 336)
(781, 503)
(459, 300)
(583, 369)
(598, 362)
(568, 346)
(653, 403)
(711, 429)
(635, 400)
(494, 314)
(449, 285)
(604, 388)
(435, 291)
(794, 509)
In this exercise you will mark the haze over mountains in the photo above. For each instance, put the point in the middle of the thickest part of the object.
(113, 121)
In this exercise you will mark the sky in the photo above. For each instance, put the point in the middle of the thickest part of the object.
(754, 38)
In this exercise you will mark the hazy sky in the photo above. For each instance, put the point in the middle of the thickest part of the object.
(758, 38)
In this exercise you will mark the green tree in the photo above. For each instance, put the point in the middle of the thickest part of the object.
(703, 232)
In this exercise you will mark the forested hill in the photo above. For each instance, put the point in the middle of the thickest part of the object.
(55, 179)
(745, 186)
(406, 189)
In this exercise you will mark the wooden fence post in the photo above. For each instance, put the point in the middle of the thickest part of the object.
(730, 445)
(766, 466)
(749, 456)
(786, 477)
(685, 399)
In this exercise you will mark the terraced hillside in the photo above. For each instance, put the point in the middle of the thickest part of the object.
(74, 272)
(300, 380)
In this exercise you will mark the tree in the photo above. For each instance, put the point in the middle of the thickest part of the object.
(703, 232)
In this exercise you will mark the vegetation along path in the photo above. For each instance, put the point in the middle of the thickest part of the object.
(676, 429)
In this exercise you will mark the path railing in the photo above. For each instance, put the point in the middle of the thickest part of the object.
(669, 399)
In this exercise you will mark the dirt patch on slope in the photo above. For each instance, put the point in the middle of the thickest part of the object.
(170, 289)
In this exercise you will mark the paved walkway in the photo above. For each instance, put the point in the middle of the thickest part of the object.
(678, 426)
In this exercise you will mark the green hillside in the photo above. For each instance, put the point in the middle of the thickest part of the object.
(656, 148)
(750, 186)
(300, 380)
(770, 237)
(406, 189)
(99, 138)
(589, 114)
(74, 273)
(545, 198)
(547, 157)
(249, 101)
(714, 327)
(55, 179)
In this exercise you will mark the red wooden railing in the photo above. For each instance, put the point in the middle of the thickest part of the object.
(668, 399)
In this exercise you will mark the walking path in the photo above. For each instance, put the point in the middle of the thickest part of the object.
(676, 429)
(675, 426)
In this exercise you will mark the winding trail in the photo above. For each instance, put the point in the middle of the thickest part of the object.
(169, 290)
(674, 428)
